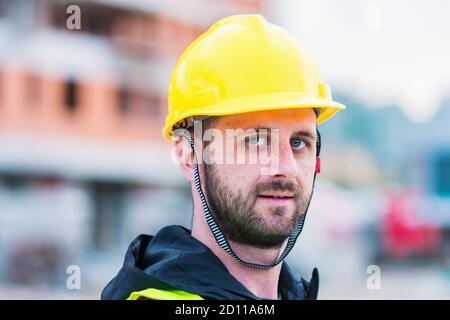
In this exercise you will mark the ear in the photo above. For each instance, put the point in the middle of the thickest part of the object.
(185, 157)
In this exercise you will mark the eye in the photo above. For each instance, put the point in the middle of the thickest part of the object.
(297, 144)
(257, 140)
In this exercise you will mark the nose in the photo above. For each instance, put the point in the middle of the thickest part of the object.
(286, 165)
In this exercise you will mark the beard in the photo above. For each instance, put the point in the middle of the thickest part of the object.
(236, 216)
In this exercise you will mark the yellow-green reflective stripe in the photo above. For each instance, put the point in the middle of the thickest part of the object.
(156, 294)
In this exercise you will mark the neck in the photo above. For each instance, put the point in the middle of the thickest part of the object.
(262, 283)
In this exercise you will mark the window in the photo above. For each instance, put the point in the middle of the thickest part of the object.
(123, 106)
(71, 95)
(108, 208)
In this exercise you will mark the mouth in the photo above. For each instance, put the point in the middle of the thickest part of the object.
(276, 198)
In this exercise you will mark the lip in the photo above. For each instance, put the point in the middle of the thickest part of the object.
(274, 200)
(285, 194)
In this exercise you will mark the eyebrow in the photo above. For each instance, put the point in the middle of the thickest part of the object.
(306, 134)
(302, 133)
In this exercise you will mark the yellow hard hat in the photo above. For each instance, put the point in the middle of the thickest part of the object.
(245, 64)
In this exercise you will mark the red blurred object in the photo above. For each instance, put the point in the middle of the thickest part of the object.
(317, 164)
(403, 232)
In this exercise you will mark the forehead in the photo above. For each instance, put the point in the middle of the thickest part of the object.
(289, 119)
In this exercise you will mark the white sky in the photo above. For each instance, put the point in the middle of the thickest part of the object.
(381, 51)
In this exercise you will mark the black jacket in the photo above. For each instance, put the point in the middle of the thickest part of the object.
(173, 259)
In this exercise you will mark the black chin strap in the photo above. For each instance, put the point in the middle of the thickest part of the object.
(218, 234)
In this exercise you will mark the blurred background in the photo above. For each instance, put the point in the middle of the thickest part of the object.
(84, 169)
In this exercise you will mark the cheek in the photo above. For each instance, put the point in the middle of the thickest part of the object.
(307, 168)
(238, 176)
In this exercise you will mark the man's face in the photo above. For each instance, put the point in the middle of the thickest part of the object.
(259, 209)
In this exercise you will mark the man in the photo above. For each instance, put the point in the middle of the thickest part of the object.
(244, 103)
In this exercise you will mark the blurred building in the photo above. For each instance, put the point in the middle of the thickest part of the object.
(83, 166)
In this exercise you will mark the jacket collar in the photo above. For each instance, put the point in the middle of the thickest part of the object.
(174, 259)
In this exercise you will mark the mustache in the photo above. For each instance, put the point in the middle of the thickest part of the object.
(278, 185)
